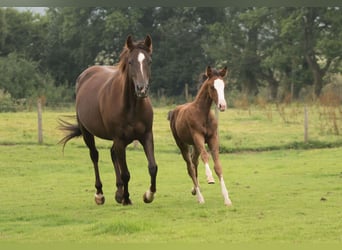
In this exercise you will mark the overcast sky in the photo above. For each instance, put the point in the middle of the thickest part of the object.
(40, 10)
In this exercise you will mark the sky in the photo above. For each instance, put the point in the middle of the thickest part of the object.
(40, 10)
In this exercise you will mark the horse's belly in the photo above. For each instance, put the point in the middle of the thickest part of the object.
(182, 131)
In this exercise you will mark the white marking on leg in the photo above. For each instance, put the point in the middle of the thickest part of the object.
(199, 196)
(99, 196)
(219, 86)
(225, 194)
(149, 195)
(209, 174)
(141, 58)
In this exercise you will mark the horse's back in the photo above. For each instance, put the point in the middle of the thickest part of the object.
(95, 75)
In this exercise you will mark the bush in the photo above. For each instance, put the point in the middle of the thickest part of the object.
(22, 82)
(6, 102)
(332, 92)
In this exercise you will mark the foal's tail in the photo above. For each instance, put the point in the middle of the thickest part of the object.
(72, 130)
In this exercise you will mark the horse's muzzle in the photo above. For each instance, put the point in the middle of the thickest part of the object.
(141, 91)
(222, 106)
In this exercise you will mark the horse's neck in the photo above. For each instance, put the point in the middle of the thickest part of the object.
(203, 100)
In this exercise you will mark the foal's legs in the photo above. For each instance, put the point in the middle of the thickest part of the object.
(184, 148)
(94, 155)
(200, 150)
(214, 148)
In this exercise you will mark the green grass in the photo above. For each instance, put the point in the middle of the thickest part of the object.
(284, 195)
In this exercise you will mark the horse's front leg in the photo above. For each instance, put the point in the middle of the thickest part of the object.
(119, 184)
(214, 148)
(148, 146)
(122, 172)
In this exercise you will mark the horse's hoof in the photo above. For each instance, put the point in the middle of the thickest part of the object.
(118, 197)
(228, 203)
(200, 198)
(193, 191)
(210, 180)
(148, 196)
(99, 199)
(126, 202)
(201, 201)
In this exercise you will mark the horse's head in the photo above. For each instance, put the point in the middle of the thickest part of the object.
(139, 64)
(216, 86)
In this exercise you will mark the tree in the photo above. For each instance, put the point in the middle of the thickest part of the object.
(295, 47)
(22, 32)
(322, 41)
(73, 40)
(313, 38)
(179, 57)
(20, 77)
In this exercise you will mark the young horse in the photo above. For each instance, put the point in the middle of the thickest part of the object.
(112, 104)
(194, 124)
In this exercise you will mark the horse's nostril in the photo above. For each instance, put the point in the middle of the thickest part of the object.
(222, 107)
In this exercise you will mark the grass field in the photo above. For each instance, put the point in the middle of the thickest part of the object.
(282, 189)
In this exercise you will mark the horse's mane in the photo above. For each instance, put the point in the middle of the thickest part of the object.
(125, 52)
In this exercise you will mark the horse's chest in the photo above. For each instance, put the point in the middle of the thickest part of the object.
(134, 129)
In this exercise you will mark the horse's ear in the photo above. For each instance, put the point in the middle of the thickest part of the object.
(223, 72)
(209, 72)
(148, 43)
(129, 42)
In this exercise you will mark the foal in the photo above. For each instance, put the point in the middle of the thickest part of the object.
(194, 124)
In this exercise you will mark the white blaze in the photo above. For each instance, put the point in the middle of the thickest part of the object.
(219, 86)
(141, 58)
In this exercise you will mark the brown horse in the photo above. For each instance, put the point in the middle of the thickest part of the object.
(194, 124)
(112, 103)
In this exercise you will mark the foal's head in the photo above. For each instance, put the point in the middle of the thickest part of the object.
(216, 86)
(137, 59)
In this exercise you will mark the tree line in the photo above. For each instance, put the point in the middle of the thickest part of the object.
(275, 51)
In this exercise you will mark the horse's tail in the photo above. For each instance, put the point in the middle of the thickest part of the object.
(73, 130)
(169, 115)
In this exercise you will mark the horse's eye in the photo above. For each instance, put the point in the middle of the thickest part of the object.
(130, 62)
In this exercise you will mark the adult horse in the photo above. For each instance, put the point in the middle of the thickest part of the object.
(194, 124)
(112, 103)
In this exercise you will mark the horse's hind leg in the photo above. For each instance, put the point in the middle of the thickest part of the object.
(191, 170)
(119, 154)
(119, 183)
(208, 173)
(94, 155)
(200, 148)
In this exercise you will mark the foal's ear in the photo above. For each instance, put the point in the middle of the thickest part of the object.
(223, 72)
(209, 72)
(129, 42)
(148, 43)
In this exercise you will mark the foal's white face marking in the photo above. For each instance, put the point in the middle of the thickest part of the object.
(219, 86)
(141, 58)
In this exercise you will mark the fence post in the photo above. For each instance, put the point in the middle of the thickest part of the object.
(40, 123)
(306, 125)
(186, 92)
